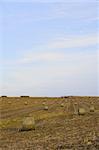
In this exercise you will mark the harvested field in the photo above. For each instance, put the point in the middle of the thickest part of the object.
(58, 128)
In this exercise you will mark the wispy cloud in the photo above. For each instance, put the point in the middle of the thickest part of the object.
(49, 54)
(79, 70)
(53, 51)
(41, 56)
(75, 42)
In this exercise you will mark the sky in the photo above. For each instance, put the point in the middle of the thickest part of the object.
(49, 48)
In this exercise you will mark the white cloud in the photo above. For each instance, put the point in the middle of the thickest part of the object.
(52, 51)
(77, 72)
(42, 56)
(75, 42)
(49, 52)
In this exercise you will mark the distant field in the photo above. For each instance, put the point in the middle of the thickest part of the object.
(57, 128)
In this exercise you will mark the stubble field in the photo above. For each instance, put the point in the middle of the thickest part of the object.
(60, 127)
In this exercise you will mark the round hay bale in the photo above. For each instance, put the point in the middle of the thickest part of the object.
(43, 103)
(89, 143)
(25, 103)
(28, 123)
(92, 109)
(62, 105)
(75, 103)
(46, 108)
(81, 111)
(9, 102)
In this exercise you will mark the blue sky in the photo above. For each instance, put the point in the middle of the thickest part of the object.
(49, 48)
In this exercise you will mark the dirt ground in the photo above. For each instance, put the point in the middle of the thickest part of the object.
(58, 128)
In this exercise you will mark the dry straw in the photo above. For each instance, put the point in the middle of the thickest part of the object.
(46, 108)
(62, 104)
(25, 103)
(28, 123)
(92, 109)
(81, 111)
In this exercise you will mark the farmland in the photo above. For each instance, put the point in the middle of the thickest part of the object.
(58, 127)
